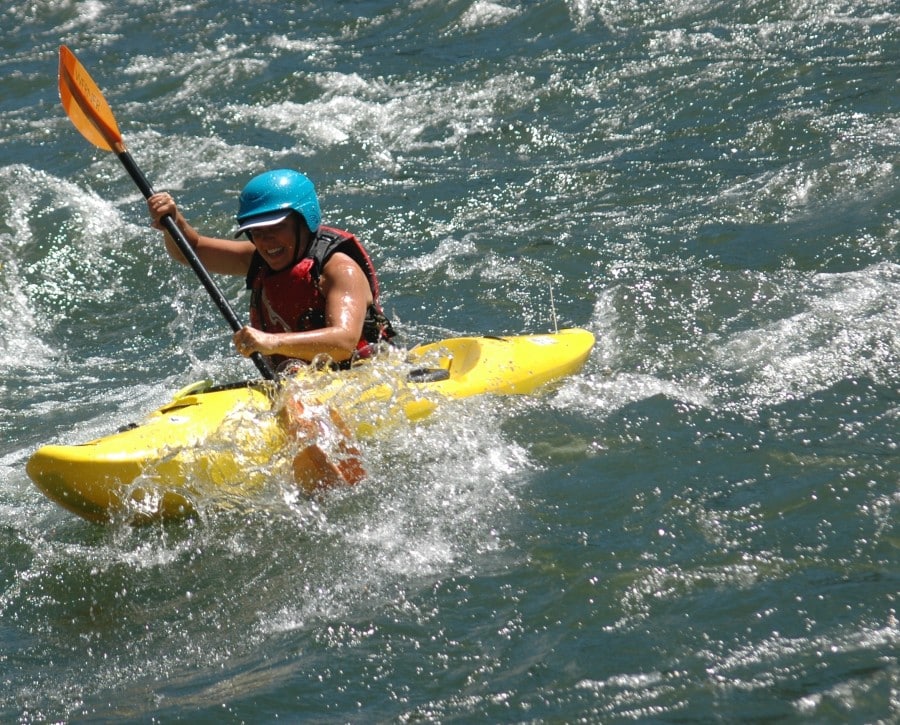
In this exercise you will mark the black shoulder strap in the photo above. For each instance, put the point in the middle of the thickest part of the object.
(324, 244)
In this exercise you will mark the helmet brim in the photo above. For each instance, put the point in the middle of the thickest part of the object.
(263, 220)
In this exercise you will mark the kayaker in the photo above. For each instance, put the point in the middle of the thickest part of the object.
(313, 288)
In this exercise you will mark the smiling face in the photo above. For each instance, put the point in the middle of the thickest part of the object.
(277, 243)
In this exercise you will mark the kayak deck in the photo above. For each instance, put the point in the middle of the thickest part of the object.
(228, 440)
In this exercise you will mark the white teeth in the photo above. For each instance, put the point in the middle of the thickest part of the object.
(275, 252)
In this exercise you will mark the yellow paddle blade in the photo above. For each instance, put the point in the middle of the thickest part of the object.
(85, 104)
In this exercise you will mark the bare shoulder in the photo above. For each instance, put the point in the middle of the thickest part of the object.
(342, 271)
(341, 264)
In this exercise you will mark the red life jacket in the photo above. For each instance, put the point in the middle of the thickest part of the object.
(290, 300)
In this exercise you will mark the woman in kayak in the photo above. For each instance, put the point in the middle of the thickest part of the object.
(313, 291)
(313, 288)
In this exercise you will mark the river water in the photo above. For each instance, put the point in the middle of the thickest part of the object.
(701, 526)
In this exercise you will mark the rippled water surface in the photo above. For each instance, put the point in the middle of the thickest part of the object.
(699, 527)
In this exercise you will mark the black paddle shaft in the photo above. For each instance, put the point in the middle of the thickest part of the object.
(191, 256)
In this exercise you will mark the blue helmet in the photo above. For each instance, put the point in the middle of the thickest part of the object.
(273, 195)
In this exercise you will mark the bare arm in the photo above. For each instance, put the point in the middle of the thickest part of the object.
(347, 297)
(222, 256)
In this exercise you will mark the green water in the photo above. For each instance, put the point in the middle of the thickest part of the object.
(699, 527)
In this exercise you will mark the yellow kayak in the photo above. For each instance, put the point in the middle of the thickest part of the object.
(228, 440)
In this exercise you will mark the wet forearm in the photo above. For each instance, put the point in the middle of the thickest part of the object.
(336, 343)
(339, 344)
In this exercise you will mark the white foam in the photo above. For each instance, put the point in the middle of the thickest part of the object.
(484, 14)
(444, 492)
(388, 118)
(26, 279)
(850, 328)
